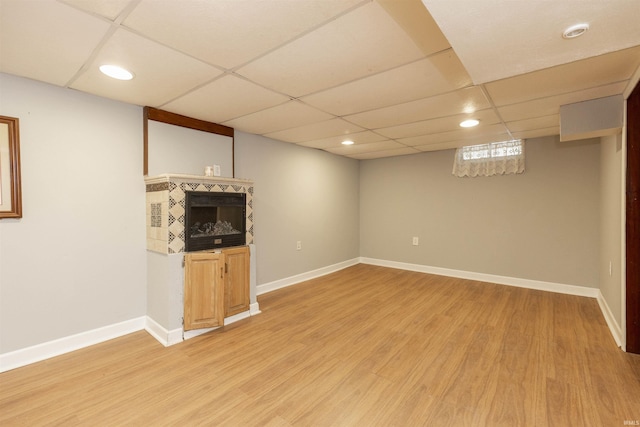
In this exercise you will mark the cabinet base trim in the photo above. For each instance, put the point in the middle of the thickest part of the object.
(196, 332)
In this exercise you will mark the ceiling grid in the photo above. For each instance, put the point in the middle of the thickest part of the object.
(395, 76)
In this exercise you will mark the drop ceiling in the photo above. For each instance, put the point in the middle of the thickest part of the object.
(394, 76)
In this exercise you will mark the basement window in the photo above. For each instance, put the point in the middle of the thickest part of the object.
(496, 158)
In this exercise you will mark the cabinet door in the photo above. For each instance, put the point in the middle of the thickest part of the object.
(203, 290)
(236, 286)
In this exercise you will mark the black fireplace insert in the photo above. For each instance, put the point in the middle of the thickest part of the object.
(214, 220)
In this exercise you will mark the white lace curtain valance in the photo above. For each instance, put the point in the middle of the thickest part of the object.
(497, 158)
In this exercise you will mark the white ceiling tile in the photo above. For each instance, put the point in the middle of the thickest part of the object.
(358, 138)
(380, 71)
(437, 106)
(230, 33)
(384, 153)
(289, 115)
(534, 124)
(443, 124)
(440, 146)
(490, 32)
(469, 136)
(537, 133)
(580, 75)
(430, 76)
(315, 131)
(551, 105)
(46, 40)
(226, 98)
(161, 74)
(362, 42)
(346, 150)
(110, 9)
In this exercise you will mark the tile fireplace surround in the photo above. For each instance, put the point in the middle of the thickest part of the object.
(166, 209)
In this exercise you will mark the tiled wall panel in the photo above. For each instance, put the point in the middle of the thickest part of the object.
(166, 197)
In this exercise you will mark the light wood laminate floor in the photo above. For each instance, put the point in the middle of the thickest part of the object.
(366, 346)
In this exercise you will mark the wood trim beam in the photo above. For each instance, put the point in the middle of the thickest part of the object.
(155, 114)
(187, 122)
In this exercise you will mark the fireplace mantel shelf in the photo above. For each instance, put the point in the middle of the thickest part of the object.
(168, 177)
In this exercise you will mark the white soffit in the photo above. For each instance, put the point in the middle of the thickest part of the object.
(496, 39)
(70, 36)
(415, 19)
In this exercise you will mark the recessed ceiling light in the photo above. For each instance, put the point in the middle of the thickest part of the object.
(116, 72)
(575, 31)
(469, 123)
(347, 142)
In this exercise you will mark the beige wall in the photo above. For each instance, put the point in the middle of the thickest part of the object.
(611, 224)
(542, 225)
(300, 194)
(89, 269)
(76, 260)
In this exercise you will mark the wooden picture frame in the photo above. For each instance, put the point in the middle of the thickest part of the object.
(10, 188)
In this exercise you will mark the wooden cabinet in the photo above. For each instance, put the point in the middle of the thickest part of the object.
(236, 283)
(216, 285)
(203, 290)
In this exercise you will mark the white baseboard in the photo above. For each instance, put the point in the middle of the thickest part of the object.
(254, 309)
(614, 327)
(39, 352)
(288, 281)
(164, 336)
(26, 356)
(582, 291)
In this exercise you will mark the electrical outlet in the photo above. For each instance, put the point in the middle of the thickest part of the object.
(298, 245)
(415, 241)
(216, 170)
